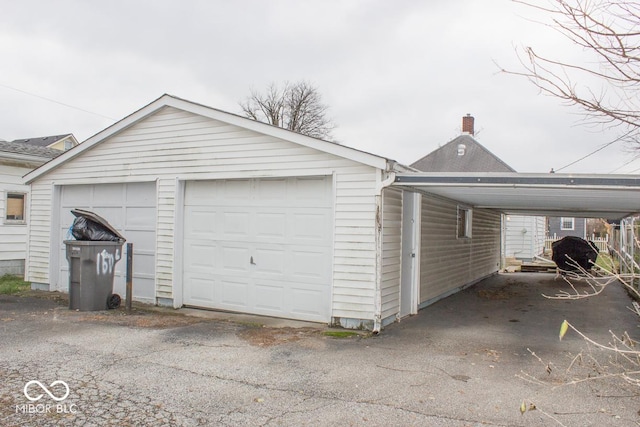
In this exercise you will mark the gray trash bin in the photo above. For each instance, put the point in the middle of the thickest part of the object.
(91, 271)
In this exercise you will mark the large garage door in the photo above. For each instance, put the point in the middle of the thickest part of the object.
(131, 209)
(259, 246)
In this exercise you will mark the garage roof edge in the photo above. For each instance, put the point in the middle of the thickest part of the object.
(216, 114)
(518, 179)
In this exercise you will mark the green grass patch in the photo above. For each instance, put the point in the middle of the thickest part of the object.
(606, 262)
(11, 285)
(340, 334)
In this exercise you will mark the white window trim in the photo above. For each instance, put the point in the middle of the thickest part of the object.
(573, 223)
(7, 221)
(468, 223)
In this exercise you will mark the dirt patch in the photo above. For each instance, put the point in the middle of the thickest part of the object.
(267, 337)
(141, 315)
(136, 318)
(496, 294)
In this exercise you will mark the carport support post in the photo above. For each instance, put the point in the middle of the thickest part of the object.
(129, 295)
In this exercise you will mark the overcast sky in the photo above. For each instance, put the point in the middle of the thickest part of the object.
(397, 75)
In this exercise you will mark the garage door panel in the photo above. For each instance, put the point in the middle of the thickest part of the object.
(304, 301)
(200, 223)
(110, 192)
(274, 243)
(310, 265)
(236, 224)
(269, 298)
(203, 256)
(235, 259)
(234, 293)
(310, 227)
(139, 217)
(143, 260)
(238, 190)
(79, 196)
(270, 261)
(139, 194)
(200, 289)
(272, 192)
(130, 208)
(271, 225)
(313, 191)
(201, 193)
(140, 240)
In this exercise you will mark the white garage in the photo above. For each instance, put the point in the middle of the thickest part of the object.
(228, 213)
(131, 209)
(260, 246)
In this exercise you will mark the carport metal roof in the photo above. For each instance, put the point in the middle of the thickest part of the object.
(550, 194)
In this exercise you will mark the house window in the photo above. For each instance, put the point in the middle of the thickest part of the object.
(464, 222)
(68, 145)
(567, 223)
(15, 207)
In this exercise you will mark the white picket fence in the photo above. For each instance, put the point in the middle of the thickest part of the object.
(602, 243)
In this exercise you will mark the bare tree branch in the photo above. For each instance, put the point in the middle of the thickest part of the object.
(609, 30)
(296, 106)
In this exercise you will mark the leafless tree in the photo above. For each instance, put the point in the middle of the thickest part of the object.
(294, 106)
(607, 87)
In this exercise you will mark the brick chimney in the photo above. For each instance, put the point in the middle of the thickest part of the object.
(467, 124)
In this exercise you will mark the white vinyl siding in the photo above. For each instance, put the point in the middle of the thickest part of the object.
(524, 236)
(448, 263)
(391, 251)
(172, 145)
(13, 234)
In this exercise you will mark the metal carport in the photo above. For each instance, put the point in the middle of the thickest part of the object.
(552, 194)
(439, 263)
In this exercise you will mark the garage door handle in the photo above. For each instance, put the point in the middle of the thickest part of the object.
(251, 261)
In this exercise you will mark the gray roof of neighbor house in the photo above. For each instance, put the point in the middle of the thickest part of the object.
(21, 148)
(462, 154)
(43, 141)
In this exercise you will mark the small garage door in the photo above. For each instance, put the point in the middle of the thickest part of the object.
(259, 246)
(130, 209)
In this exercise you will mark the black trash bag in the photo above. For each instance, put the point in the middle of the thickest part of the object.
(572, 250)
(86, 229)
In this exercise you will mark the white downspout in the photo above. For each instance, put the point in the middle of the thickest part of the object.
(381, 185)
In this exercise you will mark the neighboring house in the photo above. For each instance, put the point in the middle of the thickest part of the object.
(229, 213)
(523, 236)
(57, 142)
(16, 160)
(462, 154)
(567, 226)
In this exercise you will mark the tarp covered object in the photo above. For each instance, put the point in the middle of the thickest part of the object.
(572, 250)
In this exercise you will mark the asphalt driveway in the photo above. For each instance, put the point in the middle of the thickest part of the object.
(468, 360)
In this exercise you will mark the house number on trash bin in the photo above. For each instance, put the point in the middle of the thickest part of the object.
(105, 262)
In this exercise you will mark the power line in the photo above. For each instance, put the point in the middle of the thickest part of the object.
(57, 102)
(594, 151)
(636, 157)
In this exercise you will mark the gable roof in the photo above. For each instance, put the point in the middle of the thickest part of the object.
(14, 149)
(43, 141)
(223, 116)
(476, 158)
